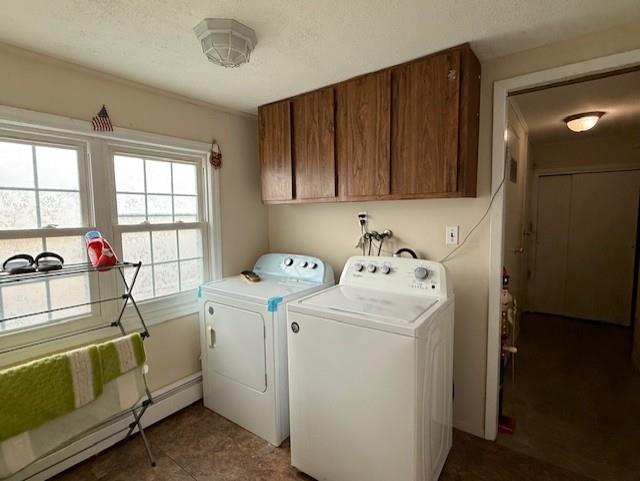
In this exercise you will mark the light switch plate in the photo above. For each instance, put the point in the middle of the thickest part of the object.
(451, 232)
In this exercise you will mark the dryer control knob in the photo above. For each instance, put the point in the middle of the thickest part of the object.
(421, 273)
(385, 269)
(372, 268)
(313, 265)
(304, 263)
(288, 262)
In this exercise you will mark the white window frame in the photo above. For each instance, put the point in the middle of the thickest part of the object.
(99, 186)
(181, 303)
(32, 137)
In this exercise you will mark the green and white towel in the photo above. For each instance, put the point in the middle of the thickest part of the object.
(41, 391)
(36, 392)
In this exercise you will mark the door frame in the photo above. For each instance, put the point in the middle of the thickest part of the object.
(501, 90)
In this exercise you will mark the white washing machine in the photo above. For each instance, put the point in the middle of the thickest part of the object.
(370, 373)
(244, 341)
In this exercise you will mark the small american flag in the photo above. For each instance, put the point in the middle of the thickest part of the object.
(102, 122)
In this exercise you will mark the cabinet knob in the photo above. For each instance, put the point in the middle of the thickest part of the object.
(452, 74)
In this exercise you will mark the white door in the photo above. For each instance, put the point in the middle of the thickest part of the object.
(352, 401)
(601, 253)
(235, 340)
(586, 238)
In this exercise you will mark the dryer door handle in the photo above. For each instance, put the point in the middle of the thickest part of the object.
(211, 337)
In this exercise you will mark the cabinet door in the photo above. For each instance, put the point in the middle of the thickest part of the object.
(362, 135)
(425, 102)
(314, 146)
(275, 151)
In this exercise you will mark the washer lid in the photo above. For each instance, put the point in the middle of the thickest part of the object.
(269, 287)
(390, 308)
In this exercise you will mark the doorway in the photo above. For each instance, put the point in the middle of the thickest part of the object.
(570, 236)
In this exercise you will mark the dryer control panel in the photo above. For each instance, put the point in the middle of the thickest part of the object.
(294, 267)
(397, 274)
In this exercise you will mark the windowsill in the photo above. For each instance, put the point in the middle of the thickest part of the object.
(161, 310)
(154, 312)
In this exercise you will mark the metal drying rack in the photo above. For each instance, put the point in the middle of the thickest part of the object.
(7, 279)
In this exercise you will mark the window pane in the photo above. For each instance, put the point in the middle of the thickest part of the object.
(10, 247)
(185, 205)
(72, 249)
(57, 168)
(143, 288)
(129, 173)
(158, 177)
(61, 209)
(166, 278)
(184, 179)
(16, 165)
(190, 274)
(136, 246)
(165, 247)
(70, 291)
(131, 206)
(18, 209)
(190, 243)
(160, 209)
(22, 299)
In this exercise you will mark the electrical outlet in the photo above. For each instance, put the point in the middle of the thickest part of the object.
(451, 232)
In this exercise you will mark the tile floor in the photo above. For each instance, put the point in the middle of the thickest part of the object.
(576, 398)
(197, 444)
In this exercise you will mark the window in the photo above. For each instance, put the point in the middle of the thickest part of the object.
(158, 215)
(39, 186)
(42, 208)
(147, 194)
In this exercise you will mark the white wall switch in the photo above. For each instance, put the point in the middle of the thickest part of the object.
(452, 235)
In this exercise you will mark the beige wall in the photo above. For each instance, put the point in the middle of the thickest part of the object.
(330, 230)
(619, 150)
(39, 83)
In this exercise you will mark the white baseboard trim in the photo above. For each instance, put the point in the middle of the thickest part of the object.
(167, 401)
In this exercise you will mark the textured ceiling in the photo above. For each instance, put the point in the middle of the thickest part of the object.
(302, 44)
(618, 96)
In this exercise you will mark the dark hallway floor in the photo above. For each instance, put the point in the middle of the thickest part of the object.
(577, 397)
(197, 444)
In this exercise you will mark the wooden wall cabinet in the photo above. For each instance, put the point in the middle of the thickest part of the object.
(274, 126)
(363, 107)
(406, 132)
(314, 145)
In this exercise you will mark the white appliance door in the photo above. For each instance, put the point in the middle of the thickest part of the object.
(235, 339)
(352, 395)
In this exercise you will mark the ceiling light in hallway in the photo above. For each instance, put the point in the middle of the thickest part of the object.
(583, 122)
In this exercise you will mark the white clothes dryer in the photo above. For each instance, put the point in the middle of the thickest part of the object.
(244, 341)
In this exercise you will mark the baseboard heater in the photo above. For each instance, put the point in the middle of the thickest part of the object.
(167, 401)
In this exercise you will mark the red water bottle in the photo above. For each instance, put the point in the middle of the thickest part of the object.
(100, 252)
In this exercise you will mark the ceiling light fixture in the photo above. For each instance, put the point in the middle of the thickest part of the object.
(583, 122)
(225, 41)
